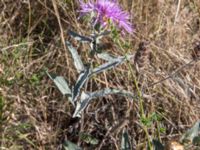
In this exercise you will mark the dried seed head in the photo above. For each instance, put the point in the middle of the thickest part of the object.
(142, 56)
(196, 51)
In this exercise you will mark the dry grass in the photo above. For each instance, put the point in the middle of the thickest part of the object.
(34, 115)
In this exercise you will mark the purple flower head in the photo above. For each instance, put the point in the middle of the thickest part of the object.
(106, 11)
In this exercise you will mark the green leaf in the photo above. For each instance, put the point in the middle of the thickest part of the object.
(146, 121)
(35, 79)
(67, 145)
(87, 138)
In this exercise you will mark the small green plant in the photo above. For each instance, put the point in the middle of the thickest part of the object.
(35, 79)
(87, 138)
(148, 121)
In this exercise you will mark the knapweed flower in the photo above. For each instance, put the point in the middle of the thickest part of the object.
(106, 12)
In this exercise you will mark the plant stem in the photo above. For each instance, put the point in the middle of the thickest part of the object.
(139, 95)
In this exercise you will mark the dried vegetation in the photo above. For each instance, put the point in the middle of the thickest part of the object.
(34, 114)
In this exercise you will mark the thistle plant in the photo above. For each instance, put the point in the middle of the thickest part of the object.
(105, 16)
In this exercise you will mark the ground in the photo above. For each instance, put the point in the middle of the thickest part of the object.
(35, 115)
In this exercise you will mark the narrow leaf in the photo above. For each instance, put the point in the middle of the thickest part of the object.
(78, 37)
(157, 145)
(106, 66)
(108, 91)
(111, 64)
(191, 133)
(77, 60)
(80, 106)
(100, 35)
(196, 141)
(67, 145)
(62, 85)
(125, 142)
(87, 97)
(93, 46)
(106, 56)
(80, 82)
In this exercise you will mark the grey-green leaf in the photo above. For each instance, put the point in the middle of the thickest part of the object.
(100, 35)
(109, 65)
(77, 60)
(62, 85)
(191, 133)
(78, 37)
(93, 46)
(67, 145)
(95, 42)
(196, 141)
(106, 56)
(80, 82)
(157, 145)
(87, 97)
(125, 142)
(109, 91)
(106, 66)
(80, 106)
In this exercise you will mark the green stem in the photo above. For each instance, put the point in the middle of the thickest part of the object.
(139, 95)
